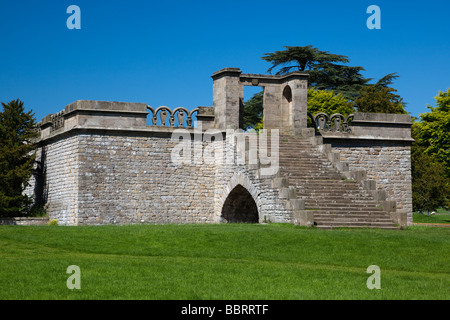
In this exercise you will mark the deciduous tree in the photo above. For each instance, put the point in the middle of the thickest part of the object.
(328, 102)
(433, 130)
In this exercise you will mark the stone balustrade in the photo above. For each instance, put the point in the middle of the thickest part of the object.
(336, 122)
(162, 114)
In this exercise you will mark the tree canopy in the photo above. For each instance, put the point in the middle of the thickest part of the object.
(253, 111)
(430, 185)
(379, 99)
(327, 71)
(430, 158)
(331, 78)
(328, 102)
(433, 129)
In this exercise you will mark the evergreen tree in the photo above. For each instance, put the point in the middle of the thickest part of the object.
(326, 71)
(253, 111)
(17, 133)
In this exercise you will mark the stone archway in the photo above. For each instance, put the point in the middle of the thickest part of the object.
(240, 207)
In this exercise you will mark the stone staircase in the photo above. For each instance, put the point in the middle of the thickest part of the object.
(325, 190)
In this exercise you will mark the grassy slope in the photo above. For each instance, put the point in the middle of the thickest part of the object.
(227, 261)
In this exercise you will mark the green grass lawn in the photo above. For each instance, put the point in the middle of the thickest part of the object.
(441, 216)
(223, 261)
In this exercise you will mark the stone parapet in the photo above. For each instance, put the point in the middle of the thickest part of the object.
(374, 126)
(110, 115)
(24, 221)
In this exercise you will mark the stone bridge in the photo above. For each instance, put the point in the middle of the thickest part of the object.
(105, 162)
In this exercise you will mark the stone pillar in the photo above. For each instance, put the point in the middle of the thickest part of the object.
(298, 85)
(273, 111)
(285, 102)
(228, 97)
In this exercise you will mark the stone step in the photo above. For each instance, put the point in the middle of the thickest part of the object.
(351, 216)
(302, 167)
(330, 220)
(354, 222)
(299, 167)
(332, 184)
(346, 212)
(292, 164)
(341, 202)
(330, 227)
(312, 174)
(379, 216)
(360, 221)
(334, 200)
(332, 204)
(330, 193)
(334, 195)
(305, 169)
(342, 206)
(292, 154)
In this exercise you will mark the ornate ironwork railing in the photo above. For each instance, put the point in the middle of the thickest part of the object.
(178, 117)
(336, 122)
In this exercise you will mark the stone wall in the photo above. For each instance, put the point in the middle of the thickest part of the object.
(388, 164)
(57, 183)
(24, 221)
(380, 145)
(130, 178)
(98, 176)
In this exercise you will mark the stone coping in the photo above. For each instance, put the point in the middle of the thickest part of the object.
(24, 221)
(264, 77)
(349, 136)
(149, 130)
(92, 111)
(380, 122)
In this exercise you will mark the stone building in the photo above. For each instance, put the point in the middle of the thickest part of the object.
(114, 162)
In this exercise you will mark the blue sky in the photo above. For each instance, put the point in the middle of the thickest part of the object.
(164, 52)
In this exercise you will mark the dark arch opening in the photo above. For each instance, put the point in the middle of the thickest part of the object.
(287, 93)
(240, 207)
